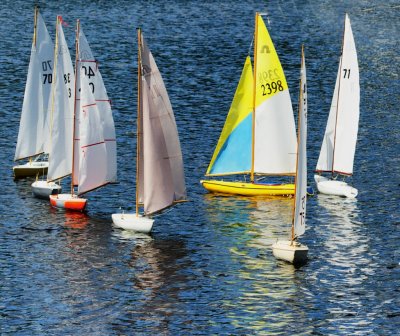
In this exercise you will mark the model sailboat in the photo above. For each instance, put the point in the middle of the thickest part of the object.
(160, 180)
(339, 144)
(34, 108)
(291, 250)
(93, 151)
(259, 136)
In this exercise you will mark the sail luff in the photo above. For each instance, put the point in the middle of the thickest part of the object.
(138, 123)
(75, 173)
(301, 169)
(338, 95)
(253, 119)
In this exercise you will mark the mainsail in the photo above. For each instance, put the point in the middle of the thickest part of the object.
(92, 152)
(88, 63)
(274, 129)
(37, 91)
(61, 109)
(339, 143)
(162, 176)
(301, 175)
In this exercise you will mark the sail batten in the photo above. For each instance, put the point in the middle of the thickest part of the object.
(339, 143)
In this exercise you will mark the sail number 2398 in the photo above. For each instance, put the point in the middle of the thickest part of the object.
(272, 87)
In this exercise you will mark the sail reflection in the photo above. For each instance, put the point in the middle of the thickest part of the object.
(255, 276)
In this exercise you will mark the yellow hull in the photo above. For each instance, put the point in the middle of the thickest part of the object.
(248, 189)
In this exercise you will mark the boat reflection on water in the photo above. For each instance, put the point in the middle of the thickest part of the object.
(76, 220)
(247, 227)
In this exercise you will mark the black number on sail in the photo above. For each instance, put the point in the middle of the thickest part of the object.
(47, 78)
(272, 88)
(46, 65)
(92, 85)
(89, 73)
(346, 73)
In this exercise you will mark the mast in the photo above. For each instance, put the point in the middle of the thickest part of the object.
(254, 99)
(338, 93)
(138, 131)
(298, 141)
(35, 26)
(74, 115)
(53, 90)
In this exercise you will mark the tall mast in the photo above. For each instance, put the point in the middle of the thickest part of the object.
(35, 26)
(298, 140)
(53, 87)
(74, 116)
(138, 130)
(253, 127)
(338, 93)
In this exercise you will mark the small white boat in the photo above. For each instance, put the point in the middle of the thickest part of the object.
(291, 250)
(339, 143)
(31, 134)
(160, 180)
(43, 189)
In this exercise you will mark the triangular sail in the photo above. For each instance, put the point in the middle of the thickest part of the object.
(90, 67)
(275, 133)
(61, 108)
(92, 152)
(339, 143)
(163, 175)
(232, 154)
(37, 91)
(301, 174)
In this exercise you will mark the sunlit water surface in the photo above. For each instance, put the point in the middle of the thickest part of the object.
(207, 268)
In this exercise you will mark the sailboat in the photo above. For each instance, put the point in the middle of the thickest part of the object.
(93, 144)
(292, 250)
(259, 136)
(34, 108)
(339, 143)
(160, 180)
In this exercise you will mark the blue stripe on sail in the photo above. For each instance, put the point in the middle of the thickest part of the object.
(235, 154)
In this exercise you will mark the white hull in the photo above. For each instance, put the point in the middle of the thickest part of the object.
(133, 222)
(43, 189)
(292, 252)
(31, 169)
(333, 187)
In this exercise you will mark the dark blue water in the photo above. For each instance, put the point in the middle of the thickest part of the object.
(208, 267)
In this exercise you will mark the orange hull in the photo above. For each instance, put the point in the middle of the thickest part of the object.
(67, 201)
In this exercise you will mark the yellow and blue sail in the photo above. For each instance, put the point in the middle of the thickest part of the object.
(232, 154)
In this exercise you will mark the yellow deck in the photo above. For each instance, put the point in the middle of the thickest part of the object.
(248, 189)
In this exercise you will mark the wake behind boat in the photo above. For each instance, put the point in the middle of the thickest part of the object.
(339, 144)
(259, 137)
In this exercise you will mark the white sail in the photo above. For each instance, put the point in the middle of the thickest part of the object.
(163, 176)
(36, 97)
(339, 143)
(90, 67)
(61, 107)
(301, 174)
(274, 129)
(93, 153)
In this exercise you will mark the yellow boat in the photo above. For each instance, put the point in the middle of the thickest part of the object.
(248, 188)
(259, 135)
